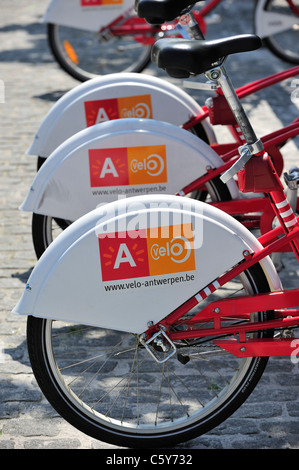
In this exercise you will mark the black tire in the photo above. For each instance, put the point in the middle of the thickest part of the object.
(83, 385)
(284, 45)
(96, 56)
(200, 131)
(40, 162)
(44, 230)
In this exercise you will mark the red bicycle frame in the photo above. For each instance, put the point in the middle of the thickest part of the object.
(282, 303)
(252, 212)
(259, 176)
(220, 112)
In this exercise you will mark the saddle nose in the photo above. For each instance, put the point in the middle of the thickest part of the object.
(159, 11)
(184, 57)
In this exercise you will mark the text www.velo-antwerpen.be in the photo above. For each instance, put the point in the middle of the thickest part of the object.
(150, 283)
(116, 191)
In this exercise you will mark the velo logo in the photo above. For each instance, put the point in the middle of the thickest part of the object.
(133, 254)
(95, 3)
(127, 166)
(118, 108)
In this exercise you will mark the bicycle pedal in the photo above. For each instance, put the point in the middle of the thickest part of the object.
(292, 178)
(183, 358)
(210, 86)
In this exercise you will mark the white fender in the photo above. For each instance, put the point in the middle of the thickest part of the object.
(107, 267)
(268, 23)
(118, 159)
(121, 95)
(89, 15)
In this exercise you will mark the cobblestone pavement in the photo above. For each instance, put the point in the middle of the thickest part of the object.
(269, 419)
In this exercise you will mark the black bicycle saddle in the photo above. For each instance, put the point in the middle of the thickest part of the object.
(184, 57)
(159, 11)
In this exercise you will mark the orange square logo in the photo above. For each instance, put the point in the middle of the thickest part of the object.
(147, 164)
(127, 166)
(139, 107)
(95, 3)
(112, 2)
(172, 251)
(98, 111)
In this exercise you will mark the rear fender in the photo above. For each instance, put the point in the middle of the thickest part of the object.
(89, 275)
(114, 96)
(118, 159)
(84, 14)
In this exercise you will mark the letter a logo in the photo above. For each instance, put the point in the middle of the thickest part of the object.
(102, 116)
(124, 256)
(108, 167)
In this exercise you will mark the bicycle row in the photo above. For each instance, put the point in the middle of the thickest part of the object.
(151, 317)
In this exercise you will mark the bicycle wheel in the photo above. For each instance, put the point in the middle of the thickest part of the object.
(283, 17)
(107, 385)
(85, 55)
(46, 228)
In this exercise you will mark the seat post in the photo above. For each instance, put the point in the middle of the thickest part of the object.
(253, 145)
(189, 20)
(219, 75)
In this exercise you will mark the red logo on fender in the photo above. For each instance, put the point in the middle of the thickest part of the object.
(124, 257)
(127, 166)
(108, 167)
(99, 111)
(134, 254)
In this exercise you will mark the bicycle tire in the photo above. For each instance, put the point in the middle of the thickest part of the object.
(92, 60)
(213, 388)
(45, 228)
(284, 45)
(40, 162)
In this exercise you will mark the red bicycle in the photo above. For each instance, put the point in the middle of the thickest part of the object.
(88, 40)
